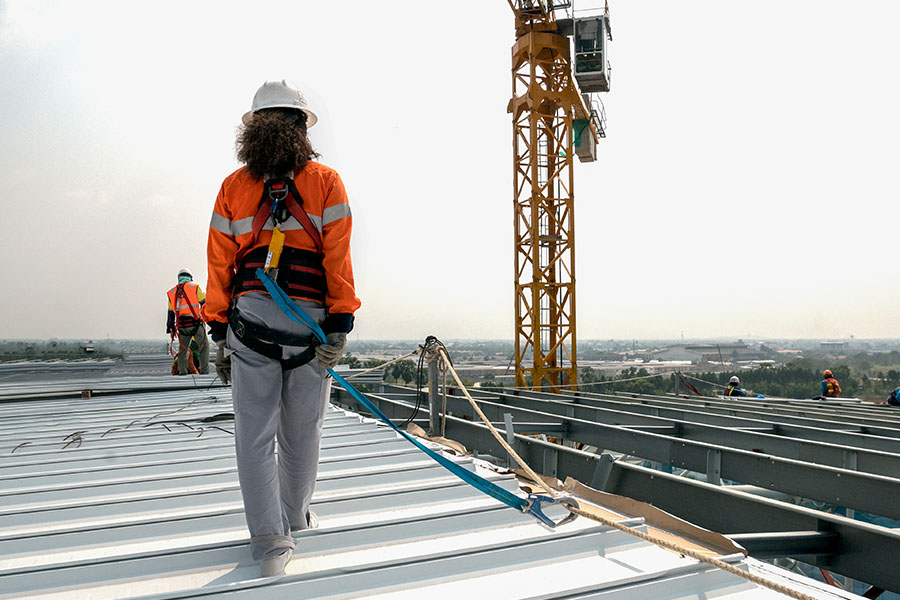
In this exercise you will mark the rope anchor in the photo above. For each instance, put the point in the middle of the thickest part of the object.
(534, 508)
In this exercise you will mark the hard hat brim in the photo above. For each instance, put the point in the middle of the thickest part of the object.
(311, 117)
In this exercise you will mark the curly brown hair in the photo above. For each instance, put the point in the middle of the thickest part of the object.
(274, 143)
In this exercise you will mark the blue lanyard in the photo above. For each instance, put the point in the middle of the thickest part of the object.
(297, 314)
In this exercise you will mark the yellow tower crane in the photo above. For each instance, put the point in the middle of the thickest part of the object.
(554, 118)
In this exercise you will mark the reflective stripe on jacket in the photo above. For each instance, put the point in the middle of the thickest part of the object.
(231, 236)
(187, 304)
(831, 388)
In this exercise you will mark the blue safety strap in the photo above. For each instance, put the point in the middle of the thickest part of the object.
(297, 314)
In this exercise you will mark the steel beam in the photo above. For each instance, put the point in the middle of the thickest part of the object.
(779, 544)
(859, 550)
(867, 492)
(639, 408)
(885, 460)
(885, 427)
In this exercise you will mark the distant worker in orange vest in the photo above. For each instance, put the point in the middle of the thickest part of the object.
(830, 386)
(734, 387)
(185, 301)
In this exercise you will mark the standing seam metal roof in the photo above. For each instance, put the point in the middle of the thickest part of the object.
(143, 501)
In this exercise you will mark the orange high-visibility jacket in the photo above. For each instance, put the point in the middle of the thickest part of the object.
(187, 305)
(231, 236)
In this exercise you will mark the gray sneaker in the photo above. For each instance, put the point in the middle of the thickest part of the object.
(312, 520)
(274, 565)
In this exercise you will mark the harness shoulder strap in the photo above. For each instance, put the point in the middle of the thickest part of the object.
(179, 293)
(262, 215)
(295, 206)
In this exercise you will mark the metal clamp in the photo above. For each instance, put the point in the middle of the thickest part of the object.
(277, 195)
(534, 508)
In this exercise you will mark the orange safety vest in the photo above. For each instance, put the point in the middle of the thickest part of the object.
(832, 387)
(234, 235)
(184, 301)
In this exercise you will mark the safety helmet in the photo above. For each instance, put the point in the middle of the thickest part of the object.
(185, 272)
(278, 94)
(734, 379)
(827, 373)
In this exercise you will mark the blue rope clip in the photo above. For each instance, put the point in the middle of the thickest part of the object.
(534, 508)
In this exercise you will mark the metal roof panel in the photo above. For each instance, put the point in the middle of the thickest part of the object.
(156, 512)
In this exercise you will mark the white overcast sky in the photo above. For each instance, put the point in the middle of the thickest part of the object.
(747, 186)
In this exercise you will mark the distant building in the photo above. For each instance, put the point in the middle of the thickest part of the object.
(714, 353)
(678, 352)
(834, 347)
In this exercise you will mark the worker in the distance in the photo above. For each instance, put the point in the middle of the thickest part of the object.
(287, 214)
(830, 388)
(734, 387)
(185, 303)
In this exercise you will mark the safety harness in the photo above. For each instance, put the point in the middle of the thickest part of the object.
(195, 323)
(180, 293)
(293, 269)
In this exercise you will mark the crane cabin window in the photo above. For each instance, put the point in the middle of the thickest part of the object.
(590, 54)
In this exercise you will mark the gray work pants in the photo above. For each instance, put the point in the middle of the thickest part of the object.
(185, 334)
(271, 404)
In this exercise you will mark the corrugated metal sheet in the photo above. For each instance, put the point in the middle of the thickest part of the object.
(131, 495)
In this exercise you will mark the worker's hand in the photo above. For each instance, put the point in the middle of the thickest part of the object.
(223, 363)
(332, 350)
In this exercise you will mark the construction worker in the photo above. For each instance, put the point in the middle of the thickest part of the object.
(733, 388)
(185, 303)
(830, 388)
(893, 398)
(284, 210)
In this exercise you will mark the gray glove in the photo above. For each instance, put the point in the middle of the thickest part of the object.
(223, 363)
(332, 350)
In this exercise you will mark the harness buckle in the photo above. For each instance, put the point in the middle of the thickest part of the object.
(534, 508)
(277, 194)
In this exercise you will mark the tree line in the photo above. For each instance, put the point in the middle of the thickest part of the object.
(865, 376)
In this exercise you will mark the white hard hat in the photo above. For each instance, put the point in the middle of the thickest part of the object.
(185, 272)
(734, 379)
(278, 94)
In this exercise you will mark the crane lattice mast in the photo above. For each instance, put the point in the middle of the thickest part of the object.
(546, 104)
